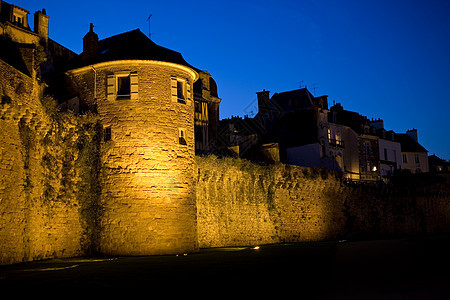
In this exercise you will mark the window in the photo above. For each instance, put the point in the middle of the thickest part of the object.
(405, 160)
(385, 154)
(107, 134)
(182, 136)
(122, 85)
(197, 107)
(416, 159)
(180, 90)
(367, 148)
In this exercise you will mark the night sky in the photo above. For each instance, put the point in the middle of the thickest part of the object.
(385, 59)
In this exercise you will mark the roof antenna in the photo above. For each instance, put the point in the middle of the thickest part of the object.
(314, 88)
(149, 32)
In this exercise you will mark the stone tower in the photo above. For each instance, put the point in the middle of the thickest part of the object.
(142, 93)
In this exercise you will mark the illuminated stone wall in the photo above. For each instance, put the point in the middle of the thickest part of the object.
(41, 174)
(65, 192)
(147, 200)
(240, 203)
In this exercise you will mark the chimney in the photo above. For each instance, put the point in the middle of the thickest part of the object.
(90, 44)
(378, 123)
(41, 25)
(263, 102)
(412, 134)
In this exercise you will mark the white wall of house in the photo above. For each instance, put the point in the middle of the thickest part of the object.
(417, 162)
(346, 141)
(390, 155)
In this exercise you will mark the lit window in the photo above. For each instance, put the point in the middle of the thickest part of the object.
(182, 136)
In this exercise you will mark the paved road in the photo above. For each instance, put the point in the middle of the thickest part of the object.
(412, 268)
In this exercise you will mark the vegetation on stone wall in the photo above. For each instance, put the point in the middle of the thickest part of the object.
(88, 164)
(28, 141)
(71, 166)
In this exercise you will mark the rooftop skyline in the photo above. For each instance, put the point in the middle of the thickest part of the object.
(388, 59)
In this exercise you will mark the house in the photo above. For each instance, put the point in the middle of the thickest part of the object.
(243, 137)
(367, 141)
(297, 122)
(343, 146)
(414, 155)
(206, 113)
(389, 149)
(438, 165)
(24, 48)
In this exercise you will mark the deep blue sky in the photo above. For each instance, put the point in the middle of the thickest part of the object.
(386, 59)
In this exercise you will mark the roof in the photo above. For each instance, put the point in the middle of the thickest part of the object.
(301, 97)
(135, 45)
(408, 144)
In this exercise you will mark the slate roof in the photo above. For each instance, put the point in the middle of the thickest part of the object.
(135, 45)
(408, 144)
(301, 97)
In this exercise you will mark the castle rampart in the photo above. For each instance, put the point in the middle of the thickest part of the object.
(122, 178)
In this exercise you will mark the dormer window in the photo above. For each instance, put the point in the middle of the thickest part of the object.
(122, 85)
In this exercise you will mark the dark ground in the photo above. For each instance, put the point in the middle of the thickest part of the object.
(409, 268)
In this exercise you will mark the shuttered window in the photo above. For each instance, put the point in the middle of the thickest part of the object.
(180, 90)
(122, 85)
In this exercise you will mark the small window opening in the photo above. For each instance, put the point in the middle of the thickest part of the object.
(107, 134)
(182, 137)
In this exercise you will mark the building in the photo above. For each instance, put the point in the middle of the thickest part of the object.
(297, 122)
(368, 141)
(414, 155)
(343, 143)
(437, 165)
(143, 95)
(206, 113)
(389, 149)
(147, 111)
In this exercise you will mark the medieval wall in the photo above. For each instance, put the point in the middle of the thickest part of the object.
(240, 203)
(44, 174)
(64, 192)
